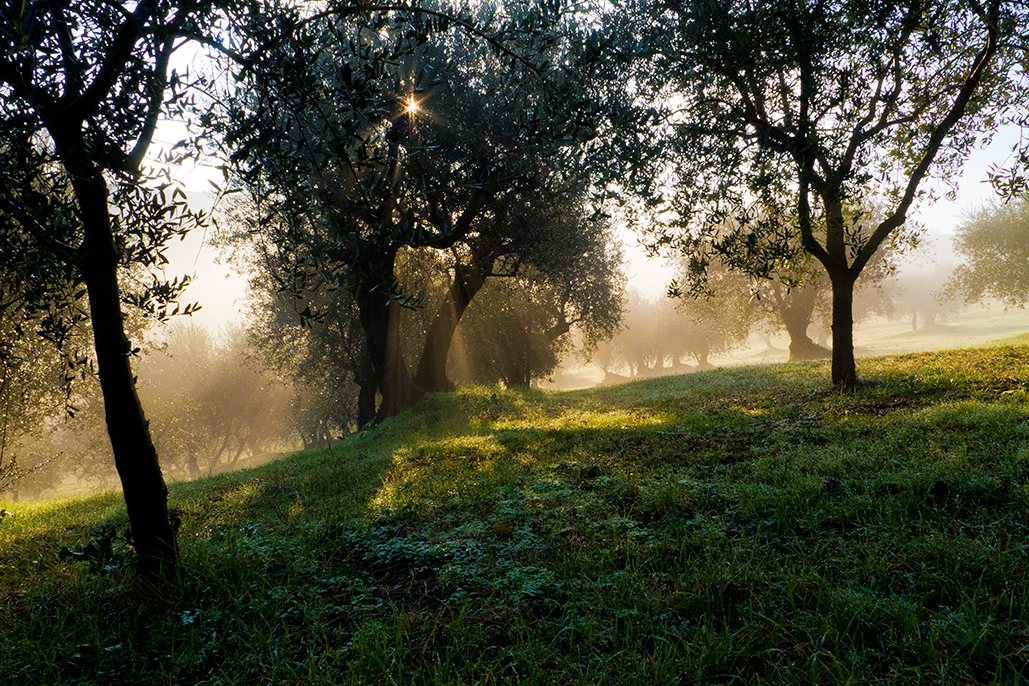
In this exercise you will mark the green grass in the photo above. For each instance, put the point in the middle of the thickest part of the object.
(747, 525)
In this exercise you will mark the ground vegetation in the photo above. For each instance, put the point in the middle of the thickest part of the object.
(736, 525)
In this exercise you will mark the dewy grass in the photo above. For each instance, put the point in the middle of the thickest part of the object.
(747, 525)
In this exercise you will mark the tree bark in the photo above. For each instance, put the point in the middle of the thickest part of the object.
(135, 457)
(844, 370)
(397, 391)
(385, 374)
(431, 375)
(373, 303)
(517, 365)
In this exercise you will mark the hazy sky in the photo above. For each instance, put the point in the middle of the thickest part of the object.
(215, 286)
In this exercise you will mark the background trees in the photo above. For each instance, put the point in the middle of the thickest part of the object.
(669, 336)
(923, 295)
(993, 241)
(212, 403)
(519, 328)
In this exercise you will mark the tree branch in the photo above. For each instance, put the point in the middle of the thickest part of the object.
(941, 131)
(114, 62)
(158, 82)
(40, 233)
(73, 72)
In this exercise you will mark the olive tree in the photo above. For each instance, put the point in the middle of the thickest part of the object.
(82, 87)
(994, 240)
(390, 134)
(814, 107)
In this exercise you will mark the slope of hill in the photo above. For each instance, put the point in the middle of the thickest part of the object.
(737, 526)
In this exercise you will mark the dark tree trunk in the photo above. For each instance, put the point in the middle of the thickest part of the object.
(518, 365)
(368, 389)
(842, 276)
(844, 370)
(374, 305)
(396, 389)
(385, 373)
(796, 311)
(431, 375)
(146, 495)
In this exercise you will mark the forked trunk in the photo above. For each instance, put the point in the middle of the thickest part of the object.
(432, 367)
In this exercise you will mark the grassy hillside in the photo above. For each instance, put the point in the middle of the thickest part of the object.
(747, 525)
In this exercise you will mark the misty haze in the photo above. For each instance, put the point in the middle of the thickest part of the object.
(515, 342)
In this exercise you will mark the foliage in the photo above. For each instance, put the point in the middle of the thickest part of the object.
(398, 133)
(35, 390)
(108, 552)
(322, 361)
(741, 525)
(82, 86)
(993, 242)
(782, 110)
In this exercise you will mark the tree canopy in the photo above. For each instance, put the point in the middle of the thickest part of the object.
(449, 147)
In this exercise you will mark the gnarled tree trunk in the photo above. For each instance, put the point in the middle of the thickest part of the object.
(384, 373)
(796, 311)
